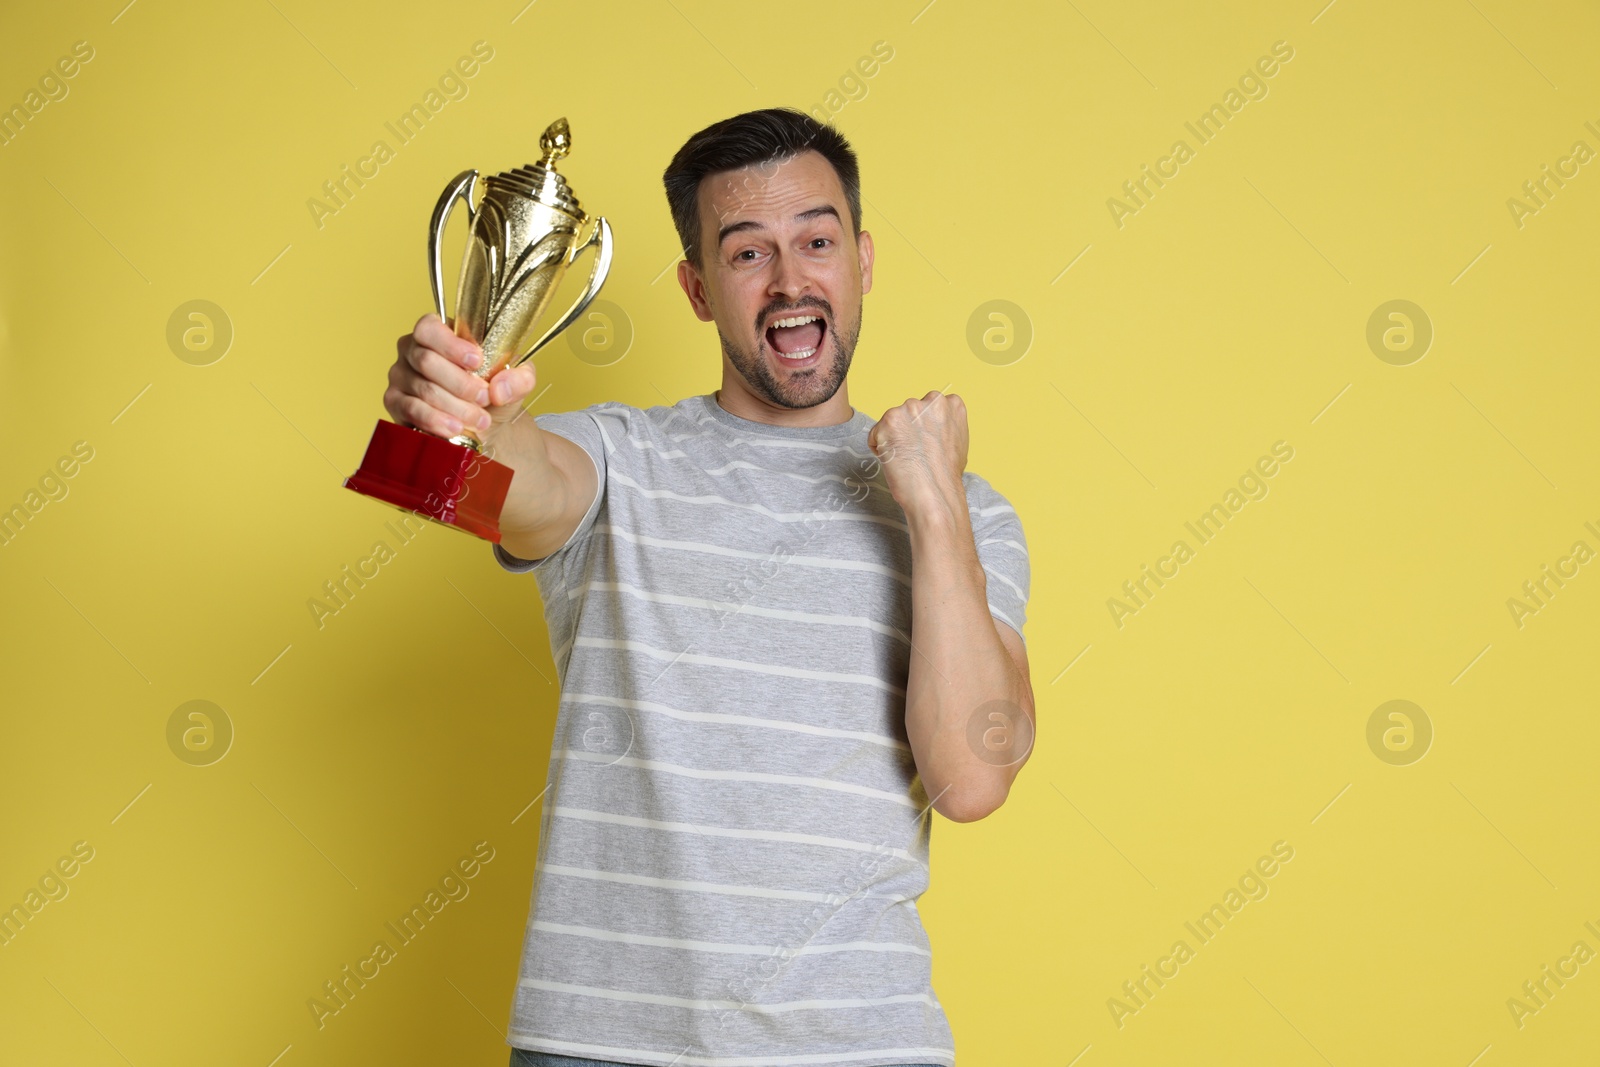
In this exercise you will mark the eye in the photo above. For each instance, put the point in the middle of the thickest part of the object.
(823, 240)
(748, 251)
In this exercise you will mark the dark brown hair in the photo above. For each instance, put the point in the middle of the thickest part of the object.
(755, 137)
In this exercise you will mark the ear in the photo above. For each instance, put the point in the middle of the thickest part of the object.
(695, 289)
(865, 251)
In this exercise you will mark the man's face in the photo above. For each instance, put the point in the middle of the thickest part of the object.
(777, 246)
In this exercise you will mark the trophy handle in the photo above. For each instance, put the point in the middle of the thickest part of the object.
(460, 189)
(600, 235)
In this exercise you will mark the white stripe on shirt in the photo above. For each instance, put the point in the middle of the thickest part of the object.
(719, 946)
(729, 831)
(740, 776)
(737, 664)
(578, 591)
(738, 720)
(725, 1005)
(681, 1059)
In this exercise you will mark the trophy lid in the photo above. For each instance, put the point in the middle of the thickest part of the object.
(541, 181)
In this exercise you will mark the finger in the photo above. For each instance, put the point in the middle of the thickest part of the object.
(410, 411)
(430, 364)
(432, 333)
(436, 396)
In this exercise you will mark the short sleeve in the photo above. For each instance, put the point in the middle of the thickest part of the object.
(593, 429)
(1002, 550)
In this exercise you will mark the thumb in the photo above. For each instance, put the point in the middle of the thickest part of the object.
(508, 389)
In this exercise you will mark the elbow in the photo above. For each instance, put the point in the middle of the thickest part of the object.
(969, 805)
(966, 814)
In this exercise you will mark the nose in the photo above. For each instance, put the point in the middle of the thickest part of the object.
(790, 279)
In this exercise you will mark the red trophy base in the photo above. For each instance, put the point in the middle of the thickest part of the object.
(448, 483)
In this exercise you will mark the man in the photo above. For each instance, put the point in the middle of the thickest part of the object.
(783, 632)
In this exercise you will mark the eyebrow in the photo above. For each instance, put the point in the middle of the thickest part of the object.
(751, 224)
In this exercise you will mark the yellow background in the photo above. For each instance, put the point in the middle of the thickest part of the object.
(1228, 314)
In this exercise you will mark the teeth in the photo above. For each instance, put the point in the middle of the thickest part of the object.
(799, 320)
(804, 353)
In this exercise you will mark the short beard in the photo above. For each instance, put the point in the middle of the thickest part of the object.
(803, 389)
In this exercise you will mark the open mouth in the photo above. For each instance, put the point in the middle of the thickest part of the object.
(797, 339)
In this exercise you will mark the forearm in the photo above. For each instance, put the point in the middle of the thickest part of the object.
(961, 674)
(538, 497)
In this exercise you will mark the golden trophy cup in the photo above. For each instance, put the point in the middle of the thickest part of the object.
(523, 237)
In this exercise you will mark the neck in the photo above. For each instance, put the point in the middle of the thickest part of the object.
(736, 398)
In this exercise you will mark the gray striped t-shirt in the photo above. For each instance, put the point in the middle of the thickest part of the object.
(735, 836)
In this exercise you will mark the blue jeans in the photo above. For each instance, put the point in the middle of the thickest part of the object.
(521, 1057)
